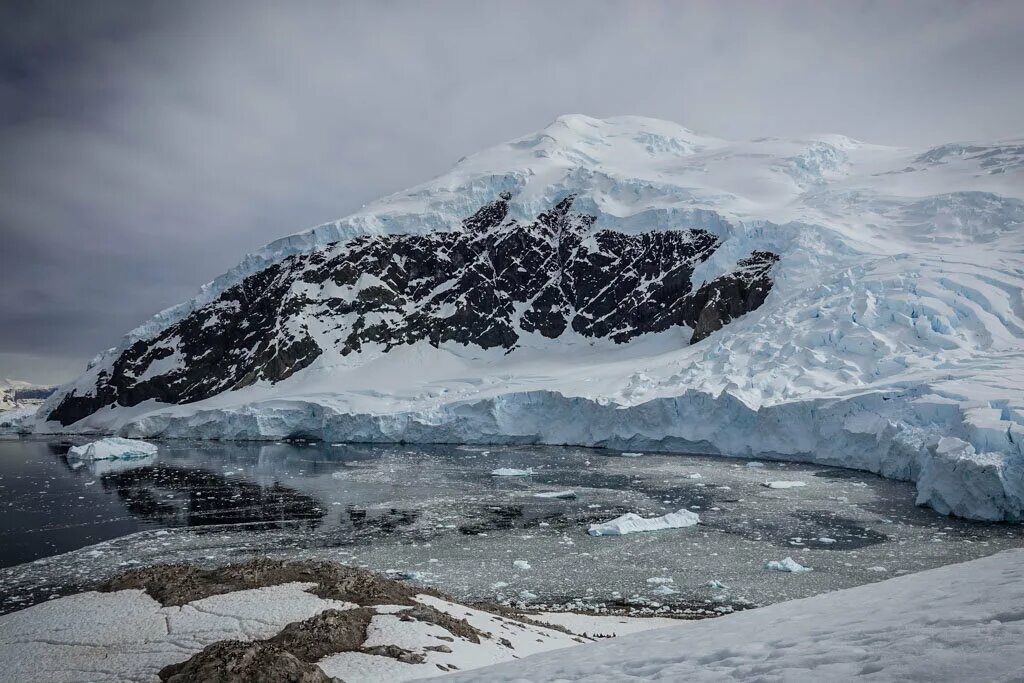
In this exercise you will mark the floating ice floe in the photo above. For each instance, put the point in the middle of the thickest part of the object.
(113, 448)
(784, 484)
(694, 475)
(632, 523)
(787, 565)
(521, 564)
(658, 580)
(511, 472)
(826, 540)
(556, 494)
(630, 455)
(754, 463)
(715, 583)
(664, 589)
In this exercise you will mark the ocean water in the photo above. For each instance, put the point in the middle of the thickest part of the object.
(436, 515)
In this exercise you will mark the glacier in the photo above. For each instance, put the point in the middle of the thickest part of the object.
(892, 340)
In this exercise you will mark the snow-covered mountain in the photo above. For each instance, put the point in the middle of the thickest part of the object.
(627, 283)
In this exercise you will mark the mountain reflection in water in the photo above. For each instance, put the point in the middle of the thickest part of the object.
(178, 496)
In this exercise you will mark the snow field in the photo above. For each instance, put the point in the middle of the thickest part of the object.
(956, 623)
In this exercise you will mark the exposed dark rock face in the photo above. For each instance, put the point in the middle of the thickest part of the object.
(325, 634)
(486, 285)
(733, 294)
(292, 654)
(232, 661)
(180, 584)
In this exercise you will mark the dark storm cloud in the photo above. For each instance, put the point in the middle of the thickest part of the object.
(145, 146)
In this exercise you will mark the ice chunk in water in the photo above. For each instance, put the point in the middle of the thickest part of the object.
(511, 472)
(113, 448)
(631, 523)
(787, 565)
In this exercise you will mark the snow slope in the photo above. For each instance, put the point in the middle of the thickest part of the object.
(896, 318)
(957, 623)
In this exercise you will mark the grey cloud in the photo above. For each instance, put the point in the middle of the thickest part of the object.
(147, 145)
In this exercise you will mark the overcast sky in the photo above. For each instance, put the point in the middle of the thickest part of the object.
(145, 147)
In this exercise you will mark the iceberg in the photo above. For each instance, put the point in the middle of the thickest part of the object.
(564, 495)
(787, 565)
(631, 522)
(511, 472)
(113, 448)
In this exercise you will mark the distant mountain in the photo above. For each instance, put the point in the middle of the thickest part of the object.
(627, 282)
(17, 394)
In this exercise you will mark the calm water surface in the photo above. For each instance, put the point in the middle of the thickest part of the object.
(436, 515)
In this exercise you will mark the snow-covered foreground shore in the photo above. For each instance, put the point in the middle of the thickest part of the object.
(257, 622)
(956, 623)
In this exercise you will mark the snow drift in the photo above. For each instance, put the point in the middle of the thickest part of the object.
(894, 322)
(954, 623)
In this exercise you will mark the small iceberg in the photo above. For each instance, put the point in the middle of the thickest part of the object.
(631, 455)
(113, 448)
(784, 484)
(787, 565)
(511, 472)
(630, 523)
(565, 495)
